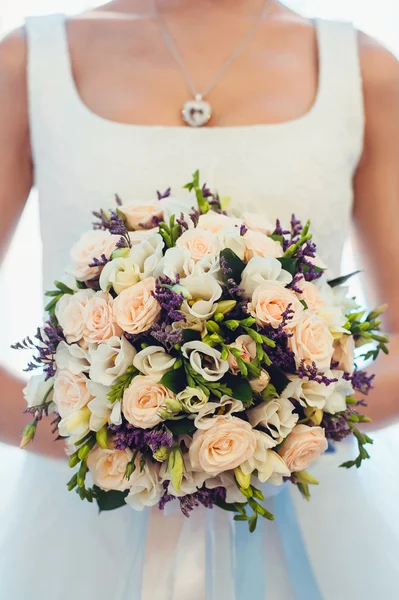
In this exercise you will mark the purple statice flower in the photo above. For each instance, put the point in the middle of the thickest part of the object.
(166, 194)
(361, 381)
(99, 262)
(135, 438)
(313, 374)
(243, 229)
(184, 226)
(293, 285)
(113, 222)
(232, 287)
(194, 216)
(118, 200)
(296, 228)
(169, 300)
(188, 503)
(281, 355)
(279, 230)
(206, 192)
(48, 337)
(336, 427)
(154, 222)
(166, 335)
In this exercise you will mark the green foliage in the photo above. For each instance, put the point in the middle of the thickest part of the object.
(289, 264)
(109, 500)
(181, 427)
(56, 295)
(175, 380)
(191, 335)
(278, 379)
(234, 263)
(341, 280)
(362, 441)
(203, 204)
(169, 233)
(121, 384)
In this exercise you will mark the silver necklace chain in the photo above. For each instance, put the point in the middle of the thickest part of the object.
(180, 62)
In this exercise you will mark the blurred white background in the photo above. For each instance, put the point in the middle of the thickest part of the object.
(20, 274)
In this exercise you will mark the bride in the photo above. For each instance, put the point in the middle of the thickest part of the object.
(305, 119)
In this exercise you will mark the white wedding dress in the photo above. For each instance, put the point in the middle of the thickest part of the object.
(52, 545)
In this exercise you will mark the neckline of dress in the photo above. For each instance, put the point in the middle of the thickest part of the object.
(90, 114)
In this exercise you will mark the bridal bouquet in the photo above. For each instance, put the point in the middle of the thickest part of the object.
(192, 356)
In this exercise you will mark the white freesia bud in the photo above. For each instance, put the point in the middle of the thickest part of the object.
(75, 424)
(260, 383)
(154, 361)
(192, 399)
(119, 274)
(110, 360)
(102, 410)
(205, 361)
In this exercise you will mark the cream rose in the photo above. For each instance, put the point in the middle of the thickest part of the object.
(110, 359)
(200, 243)
(302, 447)
(257, 222)
(142, 401)
(260, 383)
(145, 486)
(142, 215)
(223, 447)
(312, 341)
(205, 361)
(120, 274)
(70, 312)
(311, 295)
(215, 222)
(70, 392)
(192, 399)
(247, 348)
(258, 244)
(277, 416)
(100, 322)
(154, 361)
(92, 244)
(108, 467)
(270, 301)
(136, 309)
(344, 353)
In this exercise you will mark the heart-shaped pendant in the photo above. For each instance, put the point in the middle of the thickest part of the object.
(196, 113)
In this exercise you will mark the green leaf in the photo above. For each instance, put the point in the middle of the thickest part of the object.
(110, 500)
(64, 288)
(191, 335)
(269, 393)
(277, 238)
(278, 379)
(121, 384)
(234, 263)
(240, 388)
(175, 380)
(289, 264)
(225, 506)
(52, 304)
(342, 280)
(181, 427)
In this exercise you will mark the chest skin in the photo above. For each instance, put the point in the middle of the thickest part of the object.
(124, 71)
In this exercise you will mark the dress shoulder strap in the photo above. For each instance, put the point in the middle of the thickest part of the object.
(341, 88)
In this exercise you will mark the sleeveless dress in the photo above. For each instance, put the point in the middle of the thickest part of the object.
(344, 543)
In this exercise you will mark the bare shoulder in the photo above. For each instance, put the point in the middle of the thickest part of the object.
(13, 56)
(380, 71)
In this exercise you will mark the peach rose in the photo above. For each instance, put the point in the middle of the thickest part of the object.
(260, 383)
(222, 447)
(92, 244)
(258, 244)
(136, 309)
(70, 392)
(269, 302)
(247, 347)
(70, 312)
(142, 401)
(302, 447)
(344, 353)
(312, 341)
(142, 215)
(200, 243)
(100, 319)
(311, 295)
(257, 222)
(214, 222)
(108, 467)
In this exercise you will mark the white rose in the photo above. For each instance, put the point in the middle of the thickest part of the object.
(70, 313)
(108, 467)
(336, 401)
(192, 399)
(204, 292)
(70, 392)
(147, 254)
(72, 357)
(154, 361)
(269, 303)
(110, 360)
(92, 244)
(145, 486)
(312, 341)
(269, 465)
(277, 416)
(38, 389)
(119, 274)
(263, 270)
(200, 243)
(258, 244)
(205, 361)
(102, 410)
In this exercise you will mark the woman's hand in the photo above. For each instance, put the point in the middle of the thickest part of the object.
(376, 211)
